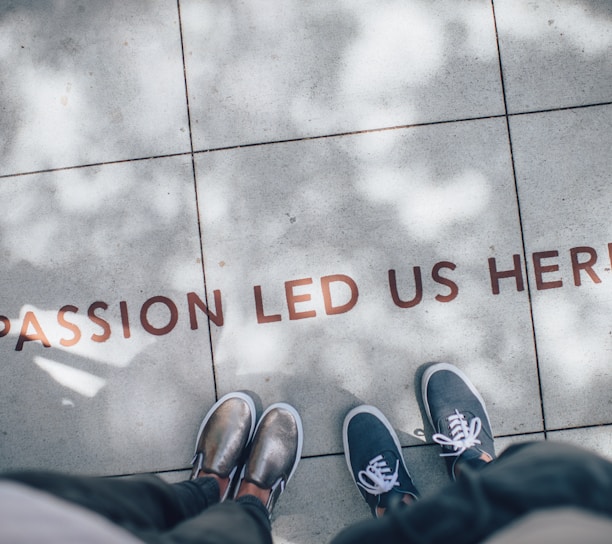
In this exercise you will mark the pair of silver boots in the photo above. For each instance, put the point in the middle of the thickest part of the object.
(232, 444)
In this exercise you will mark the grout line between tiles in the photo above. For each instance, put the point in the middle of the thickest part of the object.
(341, 453)
(300, 139)
(510, 435)
(92, 164)
(580, 427)
(197, 203)
(350, 133)
(402, 127)
(565, 108)
(520, 218)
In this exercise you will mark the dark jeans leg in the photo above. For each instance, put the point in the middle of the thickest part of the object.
(138, 504)
(157, 512)
(244, 521)
(525, 478)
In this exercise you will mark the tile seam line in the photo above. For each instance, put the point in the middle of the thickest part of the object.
(305, 138)
(252, 144)
(350, 133)
(564, 108)
(341, 453)
(521, 226)
(197, 203)
(426, 444)
(496, 437)
(400, 127)
(93, 164)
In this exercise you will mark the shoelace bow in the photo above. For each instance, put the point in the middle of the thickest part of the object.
(463, 436)
(378, 478)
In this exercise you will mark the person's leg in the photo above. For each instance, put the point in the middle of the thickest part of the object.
(374, 458)
(526, 478)
(274, 455)
(223, 439)
(489, 493)
(457, 413)
(157, 512)
(241, 521)
(273, 458)
(147, 504)
(461, 425)
(381, 530)
(143, 503)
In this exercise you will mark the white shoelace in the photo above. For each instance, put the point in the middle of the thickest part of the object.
(463, 436)
(378, 478)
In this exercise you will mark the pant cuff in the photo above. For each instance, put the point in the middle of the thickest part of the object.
(254, 505)
(194, 496)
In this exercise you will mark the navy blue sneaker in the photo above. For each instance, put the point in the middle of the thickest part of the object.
(374, 458)
(458, 415)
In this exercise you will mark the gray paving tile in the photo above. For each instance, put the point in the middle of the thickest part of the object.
(563, 168)
(276, 219)
(91, 241)
(260, 72)
(597, 439)
(555, 53)
(89, 82)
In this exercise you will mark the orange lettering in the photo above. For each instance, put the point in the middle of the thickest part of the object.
(330, 309)
(261, 317)
(194, 300)
(454, 289)
(145, 321)
(125, 320)
(293, 299)
(418, 282)
(6, 324)
(587, 266)
(496, 275)
(30, 319)
(70, 326)
(99, 321)
(540, 269)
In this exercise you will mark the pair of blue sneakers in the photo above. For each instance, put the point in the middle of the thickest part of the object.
(456, 412)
